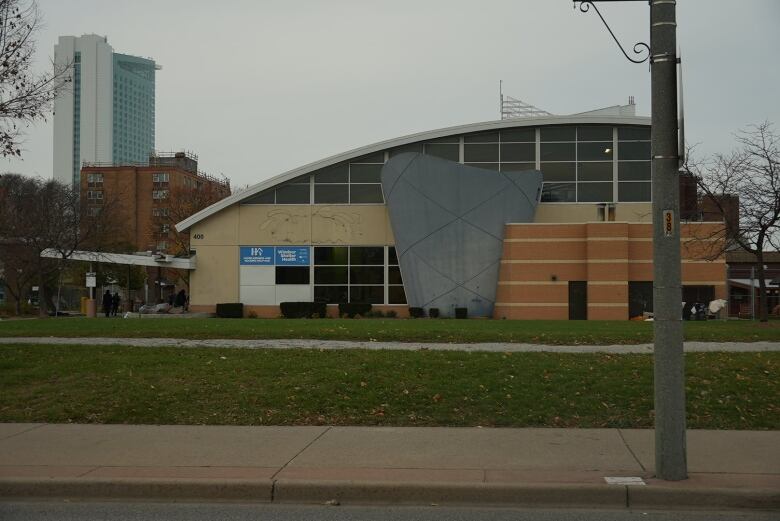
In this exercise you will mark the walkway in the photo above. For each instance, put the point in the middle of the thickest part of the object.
(533, 467)
(500, 347)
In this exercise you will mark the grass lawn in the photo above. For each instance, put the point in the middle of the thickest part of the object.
(405, 330)
(358, 387)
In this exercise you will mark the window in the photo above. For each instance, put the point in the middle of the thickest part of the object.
(559, 193)
(357, 274)
(395, 288)
(160, 177)
(95, 196)
(159, 194)
(633, 164)
(162, 245)
(450, 152)
(519, 135)
(160, 212)
(294, 193)
(165, 228)
(365, 180)
(292, 274)
(95, 180)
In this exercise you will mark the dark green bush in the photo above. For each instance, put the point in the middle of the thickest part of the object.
(303, 309)
(417, 312)
(231, 310)
(353, 309)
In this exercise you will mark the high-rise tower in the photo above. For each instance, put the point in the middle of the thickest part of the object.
(105, 114)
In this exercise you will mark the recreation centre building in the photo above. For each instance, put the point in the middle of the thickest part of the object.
(527, 218)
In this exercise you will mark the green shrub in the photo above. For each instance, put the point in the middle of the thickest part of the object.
(417, 312)
(231, 310)
(303, 309)
(353, 309)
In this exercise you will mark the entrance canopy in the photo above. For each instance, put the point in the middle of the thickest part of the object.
(137, 259)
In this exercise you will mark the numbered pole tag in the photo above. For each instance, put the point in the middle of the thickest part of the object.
(668, 223)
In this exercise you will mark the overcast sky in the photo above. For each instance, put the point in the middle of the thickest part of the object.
(258, 87)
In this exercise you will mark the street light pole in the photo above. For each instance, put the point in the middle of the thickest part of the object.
(669, 359)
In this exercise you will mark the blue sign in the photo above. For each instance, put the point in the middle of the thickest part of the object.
(257, 256)
(292, 255)
(275, 256)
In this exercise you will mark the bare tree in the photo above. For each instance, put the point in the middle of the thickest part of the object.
(184, 200)
(744, 188)
(25, 96)
(36, 215)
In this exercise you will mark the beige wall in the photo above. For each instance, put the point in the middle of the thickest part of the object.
(314, 224)
(588, 212)
(215, 278)
(220, 229)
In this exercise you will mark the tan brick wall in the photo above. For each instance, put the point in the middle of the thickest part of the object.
(540, 259)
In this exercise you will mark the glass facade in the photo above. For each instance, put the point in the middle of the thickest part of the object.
(133, 107)
(357, 274)
(581, 164)
(77, 119)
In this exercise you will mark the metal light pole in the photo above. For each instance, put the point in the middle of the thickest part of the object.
(669, 361)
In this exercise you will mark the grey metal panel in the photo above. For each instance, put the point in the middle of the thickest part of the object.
(448, 220)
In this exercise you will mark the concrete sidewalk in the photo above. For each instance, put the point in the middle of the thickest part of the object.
(528, 467)
(499, 347)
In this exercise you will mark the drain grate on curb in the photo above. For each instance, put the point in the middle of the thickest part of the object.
(624, 480)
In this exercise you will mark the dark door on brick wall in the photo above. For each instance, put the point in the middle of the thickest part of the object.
(578, 300)
(640, 298)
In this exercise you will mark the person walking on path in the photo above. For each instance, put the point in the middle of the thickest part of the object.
(115, 300)
(107, 303)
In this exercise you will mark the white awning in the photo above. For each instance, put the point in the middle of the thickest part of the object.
(746, 283)
(159, 260)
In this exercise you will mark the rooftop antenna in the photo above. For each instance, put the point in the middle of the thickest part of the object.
(501, 98)
(515, 108)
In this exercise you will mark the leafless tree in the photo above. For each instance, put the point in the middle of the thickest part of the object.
(36, 215)
(744, 188)
(183, 201)
(25, 96)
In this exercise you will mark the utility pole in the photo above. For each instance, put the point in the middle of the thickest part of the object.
(668, 359)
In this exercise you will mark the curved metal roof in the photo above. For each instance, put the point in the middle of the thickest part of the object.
(582, 119)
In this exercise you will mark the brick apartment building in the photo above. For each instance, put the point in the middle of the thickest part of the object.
(145, 201)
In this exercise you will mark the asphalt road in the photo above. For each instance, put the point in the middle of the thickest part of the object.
(93, 511)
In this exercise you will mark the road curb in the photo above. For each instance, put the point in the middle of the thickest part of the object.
(137, 488)
(656, 497)
(390, 492)
(541, 495)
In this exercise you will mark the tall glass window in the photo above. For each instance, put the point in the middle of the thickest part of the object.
(633, 164)
(586, 163)
(356, 274)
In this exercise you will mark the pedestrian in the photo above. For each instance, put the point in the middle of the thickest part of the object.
(181, 298)
(107, 303)
(115, 300)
